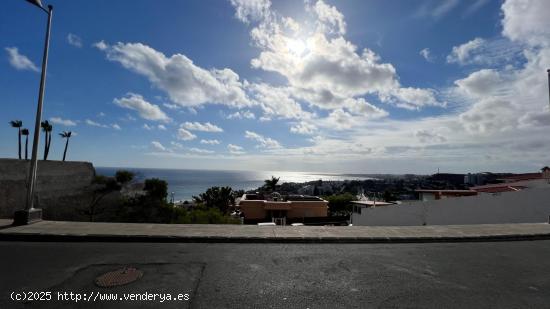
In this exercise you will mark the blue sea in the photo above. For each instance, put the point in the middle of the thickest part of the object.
(187, 183)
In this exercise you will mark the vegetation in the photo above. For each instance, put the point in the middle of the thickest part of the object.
(271, 184)
(340, 204)
(123, 176)
(25, 132)
(102, 186)
(17, 124)
(67, 135)
(47, 128)
(202, 215)
(151, 207)
(220, 198)
(388, 196)
(156, 188)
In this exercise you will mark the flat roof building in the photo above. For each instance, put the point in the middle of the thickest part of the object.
(275, 206)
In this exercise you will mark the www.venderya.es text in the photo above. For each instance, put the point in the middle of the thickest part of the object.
(95, 296)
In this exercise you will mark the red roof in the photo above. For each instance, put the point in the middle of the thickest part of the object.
(521, 177)
(500, 189)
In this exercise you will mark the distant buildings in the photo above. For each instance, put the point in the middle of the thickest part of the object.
(476, 179)
(453, 179)
(545, 173)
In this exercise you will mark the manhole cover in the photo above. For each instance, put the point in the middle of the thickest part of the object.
(118, 277)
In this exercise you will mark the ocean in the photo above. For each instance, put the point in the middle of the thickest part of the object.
(187, 183)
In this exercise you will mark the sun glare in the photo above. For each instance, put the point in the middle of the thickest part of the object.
(296, 47)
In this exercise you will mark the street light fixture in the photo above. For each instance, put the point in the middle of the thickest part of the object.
(31, 214)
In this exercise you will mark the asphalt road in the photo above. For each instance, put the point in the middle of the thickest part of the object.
(435, 275)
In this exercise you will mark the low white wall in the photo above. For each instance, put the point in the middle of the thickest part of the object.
(61, 187)
(527, 206)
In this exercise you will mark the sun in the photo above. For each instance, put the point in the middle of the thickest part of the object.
(295, 46)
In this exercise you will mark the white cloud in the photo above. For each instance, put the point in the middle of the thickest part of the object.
(116, 126)
(490, 115)
(436, 9)
(425, 136)
(199, 150)
(480, 83)
(340, 120)
(101, 45)
(475, 6)
(264, 142)
(462, 54)
(320, 65)
(158, 146)
(415, 98)
(19, 61)
(185, 83)
(74, 40)
(444, 7)
(210, 141)
(426, 54)
(171, 106)
(242, 115)
(303, 128)
(185, 135)
(64, 122)
(251, 10)
(95, 124)
(235, 149)
(363, 108)
(161, 127)
(147, 127)
(536, 119)
(329, 19)
(527, 21)
(277, 102)
(204, 127)
(176, 145)
(144, 109)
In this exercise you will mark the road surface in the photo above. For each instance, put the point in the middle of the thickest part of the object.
(433, 275)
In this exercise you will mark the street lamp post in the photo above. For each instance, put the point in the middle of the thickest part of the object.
(548, 71)
(31, 214)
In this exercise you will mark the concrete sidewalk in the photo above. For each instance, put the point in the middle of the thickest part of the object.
(141, 232)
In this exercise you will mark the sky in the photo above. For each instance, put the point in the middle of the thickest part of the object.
(322, 86)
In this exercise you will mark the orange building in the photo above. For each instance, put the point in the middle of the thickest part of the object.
(258, 207)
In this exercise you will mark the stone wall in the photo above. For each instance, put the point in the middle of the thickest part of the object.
(62, 187)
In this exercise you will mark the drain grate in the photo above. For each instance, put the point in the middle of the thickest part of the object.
(119, 277)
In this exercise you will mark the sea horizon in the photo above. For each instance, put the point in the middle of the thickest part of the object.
(186, 183)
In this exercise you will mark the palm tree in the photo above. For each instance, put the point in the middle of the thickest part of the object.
(47, 128)
(67, 135)
(217, 197)
(271, 184)
(18, 124)
(25, 132)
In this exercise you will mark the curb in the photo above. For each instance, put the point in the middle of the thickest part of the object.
(36, 237)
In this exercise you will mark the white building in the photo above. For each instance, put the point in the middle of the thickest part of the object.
(531, 204)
